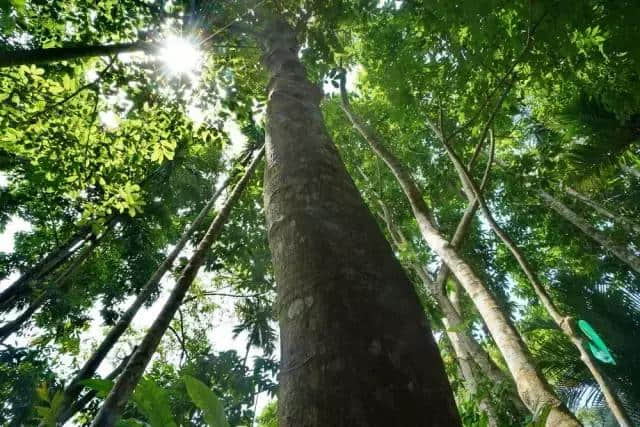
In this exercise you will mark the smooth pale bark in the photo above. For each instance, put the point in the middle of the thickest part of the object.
(89, 368)
(123, 388)
(623, 221)
(463, 344)
(620, 251)
(452, 329)
(356, 348)
(47, 55)
(533, 389)
(565, 323)
(59, 284)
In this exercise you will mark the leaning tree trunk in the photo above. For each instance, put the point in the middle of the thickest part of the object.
(22, 286)
(620, 251)
(356, 349)
(57, 286)
(534, 390)
(74, 388)
(627, 223)
(123, 388)
(56, 54)
(79, 404)
(463, 345)
(565, 323)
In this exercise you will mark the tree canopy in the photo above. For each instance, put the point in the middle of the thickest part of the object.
(495, 144)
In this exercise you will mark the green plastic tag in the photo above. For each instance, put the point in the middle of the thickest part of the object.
(596, 345)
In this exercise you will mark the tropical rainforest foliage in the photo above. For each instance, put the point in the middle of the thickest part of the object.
(143, 143)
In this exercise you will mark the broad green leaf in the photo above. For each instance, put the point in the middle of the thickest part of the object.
(102, 386)
(207, 401)
(153, 402)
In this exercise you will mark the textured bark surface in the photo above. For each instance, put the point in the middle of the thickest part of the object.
(356, 349)
(620, 251)
(89, 368)
(533, 389)
(123, 388)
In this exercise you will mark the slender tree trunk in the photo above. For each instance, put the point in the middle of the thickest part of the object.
(14, 325)
(55, 54)
(74, 388)
(620, 251)
(356, 349)
(625, 222)
(534, 391)
(465, 364)
(80, 404)
(566, 324)
(452, 318)
(123, 388)
(22, 286)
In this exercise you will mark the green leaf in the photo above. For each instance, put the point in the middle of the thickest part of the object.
(207, 401)
(129, 422)
(153, 402)
(102, 386)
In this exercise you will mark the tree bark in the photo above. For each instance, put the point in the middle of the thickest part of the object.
(55, 54)
(468, 347)
(123, 388)
(566, 324)
(620, 251)
(89, 368)
(356, 349)
(534, 391)
(625, 222)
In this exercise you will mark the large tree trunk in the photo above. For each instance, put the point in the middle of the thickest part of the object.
(123, 388)
(55, 54)
(356, 349)
(566, 324)
(625, 222)
(620, 251)
(74, 388)
(464, 346)
(534, 390)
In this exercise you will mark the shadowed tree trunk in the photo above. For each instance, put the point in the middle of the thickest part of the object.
(464, 346)
(89, 368)
(356, 349)
(22, 286)
(123, 388)
(55, 54)
(60, 284)
(80, 404)
(623, 221)
(620, 251)
(533, 389)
